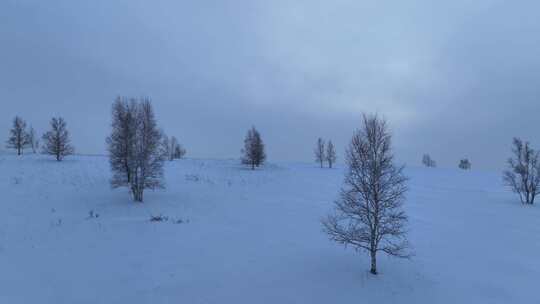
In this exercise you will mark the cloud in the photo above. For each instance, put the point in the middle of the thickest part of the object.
(454, 79)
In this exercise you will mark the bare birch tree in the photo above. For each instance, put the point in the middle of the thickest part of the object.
(330, 154)
(320, 155)
(523, 174)
(148, 169)
(172, 149)
(166, 147)
(33, 140)
(369, 216)
(121, 142)
(18, 138)
(135, 147)
(56, 141)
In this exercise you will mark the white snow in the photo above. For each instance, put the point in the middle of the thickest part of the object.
(252, 237)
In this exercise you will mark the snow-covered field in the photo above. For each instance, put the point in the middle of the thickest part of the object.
(237, 236)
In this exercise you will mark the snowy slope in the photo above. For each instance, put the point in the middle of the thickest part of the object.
(237, 236)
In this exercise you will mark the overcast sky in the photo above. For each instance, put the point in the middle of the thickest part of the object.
(454, 78)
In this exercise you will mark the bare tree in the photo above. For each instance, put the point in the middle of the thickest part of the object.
(56, 141)
(428, 161)
(166, 148)
(253, 151)
(320, 155)
(330, 154)
(33, 140)
(171, 148)
(121, 142)
(178, 151)
(464, 164)
(135, 147)
(369, 216)
(523, 175)
(18, 138)
(148, 169)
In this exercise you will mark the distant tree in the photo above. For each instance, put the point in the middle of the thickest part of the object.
(178, 152)
(33, 140)
(253, 151)
(428, 162)
(369, 214)
(172, 149)
(135, 147)
(330, 154)
(56, 141)
(320, 156)
(523, 174)
(465, 164)
(18, 138)
(166, 148)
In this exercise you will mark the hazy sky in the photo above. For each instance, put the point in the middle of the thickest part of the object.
(454, 78)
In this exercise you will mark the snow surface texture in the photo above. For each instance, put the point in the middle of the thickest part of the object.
(239, 236)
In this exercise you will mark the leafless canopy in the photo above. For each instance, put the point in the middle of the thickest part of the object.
(178, 151)
(369, 216)
(148, 169)
(320, 155)
(166, 147)
(173, 149)
(33, 140)
(122, 140)
(253, 152)
(18, 138)
(330, 154)
(56, 141)
(135, 147)
(523, 174)
(428, 161)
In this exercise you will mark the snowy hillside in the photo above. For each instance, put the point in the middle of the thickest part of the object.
(240, 236)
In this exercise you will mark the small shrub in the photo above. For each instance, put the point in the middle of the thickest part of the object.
(464, 164)
(158, 218)
(92, 214)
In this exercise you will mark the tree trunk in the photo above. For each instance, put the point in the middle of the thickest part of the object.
(137, 194)
(373, 255)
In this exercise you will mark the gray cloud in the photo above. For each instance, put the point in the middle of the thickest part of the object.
(454, 79)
